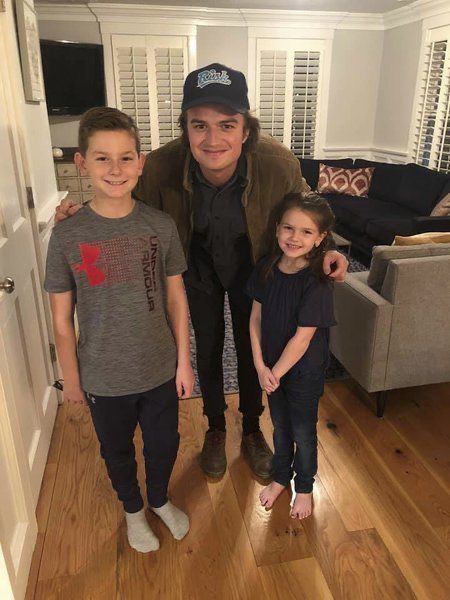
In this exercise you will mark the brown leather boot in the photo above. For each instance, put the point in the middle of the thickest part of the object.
(258, 454)
(213, 460)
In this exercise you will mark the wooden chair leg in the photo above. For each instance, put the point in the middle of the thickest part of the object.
(381, 398)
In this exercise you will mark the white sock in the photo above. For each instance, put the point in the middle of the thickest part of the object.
(174, 518)
(140, 536)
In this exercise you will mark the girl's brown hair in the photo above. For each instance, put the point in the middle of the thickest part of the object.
(320, 212)
(105, 118)
(251, 125)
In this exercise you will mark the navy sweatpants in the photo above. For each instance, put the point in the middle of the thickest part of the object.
(115, 420)
(293, 409)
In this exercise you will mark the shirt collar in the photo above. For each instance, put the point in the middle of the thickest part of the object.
(240, 175)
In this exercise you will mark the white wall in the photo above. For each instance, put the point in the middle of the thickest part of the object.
(401, 55)
(226, 45)
(355, 72)
(64, 130)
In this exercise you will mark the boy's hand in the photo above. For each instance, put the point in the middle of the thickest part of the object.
(74, 394)
(66, 209)
(339, 273)
(184, 381)
(267, 380)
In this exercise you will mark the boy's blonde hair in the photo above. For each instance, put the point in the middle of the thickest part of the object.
(105, 118)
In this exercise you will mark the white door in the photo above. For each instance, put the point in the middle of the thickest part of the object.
(27, 400)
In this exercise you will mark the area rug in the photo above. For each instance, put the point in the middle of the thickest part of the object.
(335, 371)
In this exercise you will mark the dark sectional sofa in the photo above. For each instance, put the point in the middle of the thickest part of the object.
(400, 200)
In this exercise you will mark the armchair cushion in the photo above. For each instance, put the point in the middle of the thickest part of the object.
(383, 254)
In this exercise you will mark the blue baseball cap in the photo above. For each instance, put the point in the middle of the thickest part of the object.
(216, 84)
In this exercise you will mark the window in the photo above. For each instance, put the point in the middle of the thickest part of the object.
(431, 141)
(288, 92)
(149, 72)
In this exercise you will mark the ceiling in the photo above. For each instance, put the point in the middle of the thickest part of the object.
(352, 6)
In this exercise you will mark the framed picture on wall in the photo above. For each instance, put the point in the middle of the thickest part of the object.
(30, 54)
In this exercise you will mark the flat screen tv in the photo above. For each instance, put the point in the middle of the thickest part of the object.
(73, 76)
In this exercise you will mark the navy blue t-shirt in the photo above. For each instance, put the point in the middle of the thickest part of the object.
(289, 301)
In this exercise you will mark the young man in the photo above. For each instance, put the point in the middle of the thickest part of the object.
(121, 262)
(219, 181)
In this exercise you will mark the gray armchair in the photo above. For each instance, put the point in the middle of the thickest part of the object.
(393, 326)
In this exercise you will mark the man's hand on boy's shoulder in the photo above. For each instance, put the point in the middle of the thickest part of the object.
(66, 209)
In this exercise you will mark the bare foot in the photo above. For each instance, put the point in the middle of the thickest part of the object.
(302, 506)
(270, 493)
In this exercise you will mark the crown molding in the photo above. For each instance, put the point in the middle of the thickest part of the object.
(64, 12)
(418, 11)
(139, 13)
(181, 15)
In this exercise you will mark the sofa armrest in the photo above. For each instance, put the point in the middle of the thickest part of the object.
(425, 224)
(360, 340)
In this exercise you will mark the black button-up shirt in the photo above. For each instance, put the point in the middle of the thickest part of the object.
(220, 245)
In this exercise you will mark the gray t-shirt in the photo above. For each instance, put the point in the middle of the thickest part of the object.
(118, 269)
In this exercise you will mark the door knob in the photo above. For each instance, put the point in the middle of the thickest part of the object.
(7, 285)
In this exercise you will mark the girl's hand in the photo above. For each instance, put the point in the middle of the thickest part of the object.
(267, 380)
(74, 394)
(335, 257)
(184, 381)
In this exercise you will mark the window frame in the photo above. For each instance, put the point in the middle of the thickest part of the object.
(292, 40)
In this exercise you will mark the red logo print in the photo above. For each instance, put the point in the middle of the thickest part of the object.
(89, 256)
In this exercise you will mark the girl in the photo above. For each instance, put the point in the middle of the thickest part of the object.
(292, 311)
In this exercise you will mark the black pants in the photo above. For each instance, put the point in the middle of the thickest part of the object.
(209, 326)
(293, 409)
(115, 421)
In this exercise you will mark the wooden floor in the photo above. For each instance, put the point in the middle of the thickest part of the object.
(380, 527)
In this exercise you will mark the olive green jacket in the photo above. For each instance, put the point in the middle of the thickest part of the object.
(272, 172)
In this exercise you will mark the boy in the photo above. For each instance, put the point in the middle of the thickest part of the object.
(121, 262)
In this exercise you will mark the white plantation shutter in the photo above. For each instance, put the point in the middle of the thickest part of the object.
(272, 86)
(288, 90)
(132, 90)
(169, 83)
(149, 74)
(431, 143)
(304, 103)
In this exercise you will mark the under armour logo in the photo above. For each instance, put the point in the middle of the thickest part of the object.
(89, 255)
(204, 78)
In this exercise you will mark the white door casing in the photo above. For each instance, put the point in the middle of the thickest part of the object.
(27, 400)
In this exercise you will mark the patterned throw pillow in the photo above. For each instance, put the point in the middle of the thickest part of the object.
(354, 182)
(442, 208)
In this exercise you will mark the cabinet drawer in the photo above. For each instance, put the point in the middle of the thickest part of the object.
(66, 170)
(70, 184)
(86, 185)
